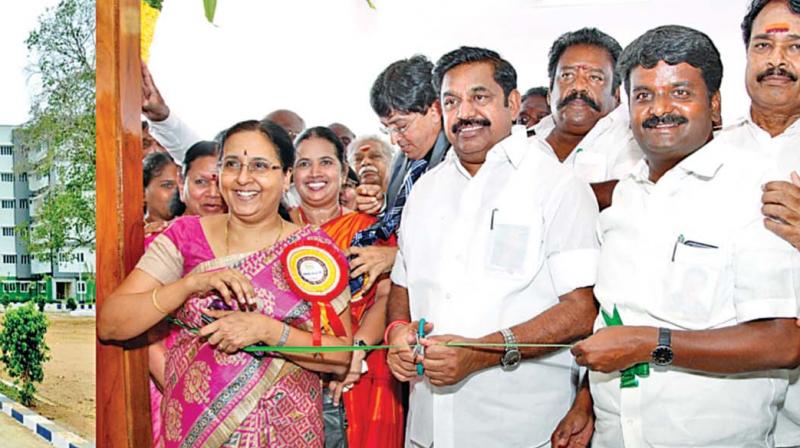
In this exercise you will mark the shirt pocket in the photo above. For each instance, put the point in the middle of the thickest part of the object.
(693, 287)
(513, 248)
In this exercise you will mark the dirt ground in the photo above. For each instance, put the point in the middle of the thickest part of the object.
(68, 390)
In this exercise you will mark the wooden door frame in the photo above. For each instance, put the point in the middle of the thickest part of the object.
(123, 401)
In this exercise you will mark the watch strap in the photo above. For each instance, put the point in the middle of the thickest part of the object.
(664, 337)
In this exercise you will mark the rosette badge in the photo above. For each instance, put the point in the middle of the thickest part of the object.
(317, 272)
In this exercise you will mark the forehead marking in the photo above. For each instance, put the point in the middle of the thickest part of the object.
(781, 27)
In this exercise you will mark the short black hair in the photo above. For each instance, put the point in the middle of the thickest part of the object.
(273, 132)
(203, 148)
(673, 44)
(755, 8)
(584, 36)
(504, 73)
(404, 86)
(325, 134)
(154, 164)
(541, 91)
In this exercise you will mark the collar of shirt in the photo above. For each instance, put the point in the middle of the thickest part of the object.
(616, 118)
(704, 162)
(759, 133)
(512, 149)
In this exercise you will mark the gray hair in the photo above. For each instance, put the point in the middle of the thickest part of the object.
(385, 147)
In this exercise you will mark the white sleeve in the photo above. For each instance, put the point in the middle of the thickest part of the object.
(571, 244)
(175, 135)
(766, 268)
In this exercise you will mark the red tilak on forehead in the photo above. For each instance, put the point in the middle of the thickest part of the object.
(778, 28)
(364, 148)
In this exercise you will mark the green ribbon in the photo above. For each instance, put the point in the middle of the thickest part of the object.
(355, 348)
(628, 378)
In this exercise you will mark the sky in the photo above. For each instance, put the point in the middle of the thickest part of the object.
(17, 20)
(320, 57)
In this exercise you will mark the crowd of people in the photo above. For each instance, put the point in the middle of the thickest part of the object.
(551, 268)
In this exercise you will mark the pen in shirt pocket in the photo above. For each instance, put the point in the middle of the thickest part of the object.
(491, 220)
(696, 244)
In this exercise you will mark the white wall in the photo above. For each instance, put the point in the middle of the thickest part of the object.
(320, 57)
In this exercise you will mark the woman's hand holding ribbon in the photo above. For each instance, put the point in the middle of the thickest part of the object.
(353, 375)
(234, 330)
(231, 284)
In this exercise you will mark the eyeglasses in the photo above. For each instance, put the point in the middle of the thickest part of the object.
(256, 167)
(391, 129)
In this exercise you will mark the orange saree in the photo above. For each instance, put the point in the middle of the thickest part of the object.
(373, 405)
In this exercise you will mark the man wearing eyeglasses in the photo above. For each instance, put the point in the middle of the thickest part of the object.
(403, 98)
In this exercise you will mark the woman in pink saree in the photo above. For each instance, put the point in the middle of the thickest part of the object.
(216, 395)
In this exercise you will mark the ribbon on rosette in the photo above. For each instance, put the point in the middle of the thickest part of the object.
(318, 273)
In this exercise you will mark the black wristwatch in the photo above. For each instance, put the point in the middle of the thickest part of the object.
(662, 354)
(512, 356)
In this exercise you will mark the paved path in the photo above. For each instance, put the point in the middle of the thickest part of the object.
(12, 433)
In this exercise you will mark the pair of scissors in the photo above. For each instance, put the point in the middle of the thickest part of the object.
(419, 349)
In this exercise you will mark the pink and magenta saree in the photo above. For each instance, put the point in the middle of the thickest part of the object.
(212, 399)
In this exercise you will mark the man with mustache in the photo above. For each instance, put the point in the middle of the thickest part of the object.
(703, 289)
(771, 32)
(370, 156)
(497, 246)
(587, 131)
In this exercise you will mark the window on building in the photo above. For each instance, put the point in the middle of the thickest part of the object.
(23, 286)
(9, 287)
(81, 287)
(6, 150)
(8, 231)
(42, 287)
(10, 259)
(23, 203)
(23, 177)
(25, 259)
(7, 177)
(80, 257)
(7, 203)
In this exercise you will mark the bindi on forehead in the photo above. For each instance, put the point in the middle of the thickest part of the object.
(364, 148)
(780, 27)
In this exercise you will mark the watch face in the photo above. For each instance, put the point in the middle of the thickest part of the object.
(511, 358)
(662, 355)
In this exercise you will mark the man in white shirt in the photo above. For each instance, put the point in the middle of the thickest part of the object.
(703, 289)
(496, 245)
(771, 32)
(587, 129)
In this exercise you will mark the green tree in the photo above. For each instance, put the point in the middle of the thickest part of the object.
(60, 136)
(24, 349)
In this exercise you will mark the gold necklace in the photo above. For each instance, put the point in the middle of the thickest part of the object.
(227, 244)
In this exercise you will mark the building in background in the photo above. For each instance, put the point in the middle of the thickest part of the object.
(22, 276)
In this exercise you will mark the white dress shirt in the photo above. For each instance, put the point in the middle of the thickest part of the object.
(483, 253)
(607, 152)
(691, 253)
(174, 135)
(784, 149)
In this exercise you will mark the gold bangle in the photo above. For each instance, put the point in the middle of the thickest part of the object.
(155, 302)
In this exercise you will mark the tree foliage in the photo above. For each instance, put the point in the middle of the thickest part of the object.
(60, 136)
(24, 348)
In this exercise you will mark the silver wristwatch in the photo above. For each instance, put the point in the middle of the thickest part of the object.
(512, 356)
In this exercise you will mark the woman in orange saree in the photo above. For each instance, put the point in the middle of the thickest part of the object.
(371, 395)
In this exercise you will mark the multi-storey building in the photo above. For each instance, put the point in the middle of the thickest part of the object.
(21, 192)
